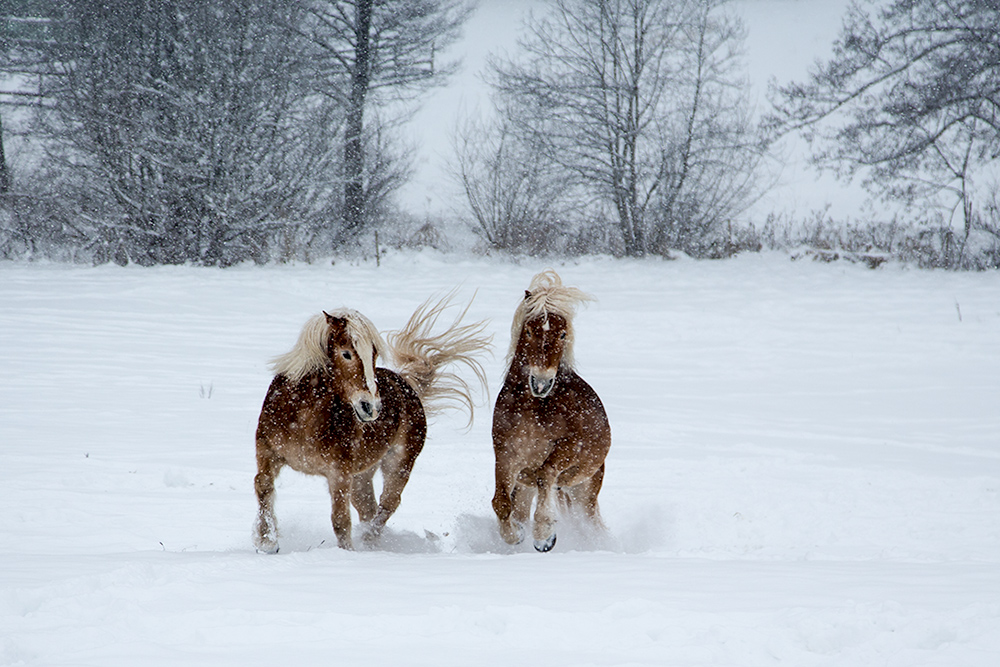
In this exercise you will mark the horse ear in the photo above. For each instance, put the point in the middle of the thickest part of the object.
(334, 321)
(527, 294)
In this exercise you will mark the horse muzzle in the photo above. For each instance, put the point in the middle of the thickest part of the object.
(367, 407)
(541, 383)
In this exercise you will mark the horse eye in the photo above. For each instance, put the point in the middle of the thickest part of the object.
(347, 354)
(562, 335)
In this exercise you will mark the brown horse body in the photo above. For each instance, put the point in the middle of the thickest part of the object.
(329, 411)
(550, 431)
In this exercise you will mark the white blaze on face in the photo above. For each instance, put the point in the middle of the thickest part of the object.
(366, 404)
(369, 366)
(366, 350)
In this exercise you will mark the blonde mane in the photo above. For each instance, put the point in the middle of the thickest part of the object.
(309, 353)
(547, 295)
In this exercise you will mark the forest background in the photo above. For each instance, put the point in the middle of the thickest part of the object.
(220, 132)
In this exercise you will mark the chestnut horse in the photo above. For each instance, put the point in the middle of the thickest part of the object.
(330, 411)
(550, 430)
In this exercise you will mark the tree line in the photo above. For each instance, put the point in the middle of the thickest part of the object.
(217, 131)
(213, 131)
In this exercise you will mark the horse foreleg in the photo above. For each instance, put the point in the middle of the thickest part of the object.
(511, 530)
(546, 477)
(587, 498)
(265, 534)
(396, 468)
(544, 529)
(340, 515)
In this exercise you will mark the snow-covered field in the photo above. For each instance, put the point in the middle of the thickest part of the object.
(805, 471)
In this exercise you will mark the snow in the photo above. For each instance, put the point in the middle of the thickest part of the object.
(804, 471)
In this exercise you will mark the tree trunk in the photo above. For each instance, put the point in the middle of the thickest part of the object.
(4, 171)
(354, 155)
(632, 232)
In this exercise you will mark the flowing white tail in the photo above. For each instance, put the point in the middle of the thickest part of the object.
(421, 356)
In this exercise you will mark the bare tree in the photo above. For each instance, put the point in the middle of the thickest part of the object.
(25, 28)
(910, 99)
(604, 88)
(714, 156)
(515, 195)
(375, 52)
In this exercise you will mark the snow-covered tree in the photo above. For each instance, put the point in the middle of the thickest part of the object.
(186, 116)
(179, 130)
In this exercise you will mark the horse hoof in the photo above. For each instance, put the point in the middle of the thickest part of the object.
(370, 536)
(546, 544)
(270, 550)
(512, 533)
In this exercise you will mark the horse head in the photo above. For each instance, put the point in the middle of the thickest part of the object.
(541, 348)
(352, 353)
(542, 331)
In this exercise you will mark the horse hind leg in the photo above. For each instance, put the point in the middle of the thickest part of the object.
(564, 499)
(588, 498)
(581, 499)
(396, 468)
(265, 534)
(363, 495)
